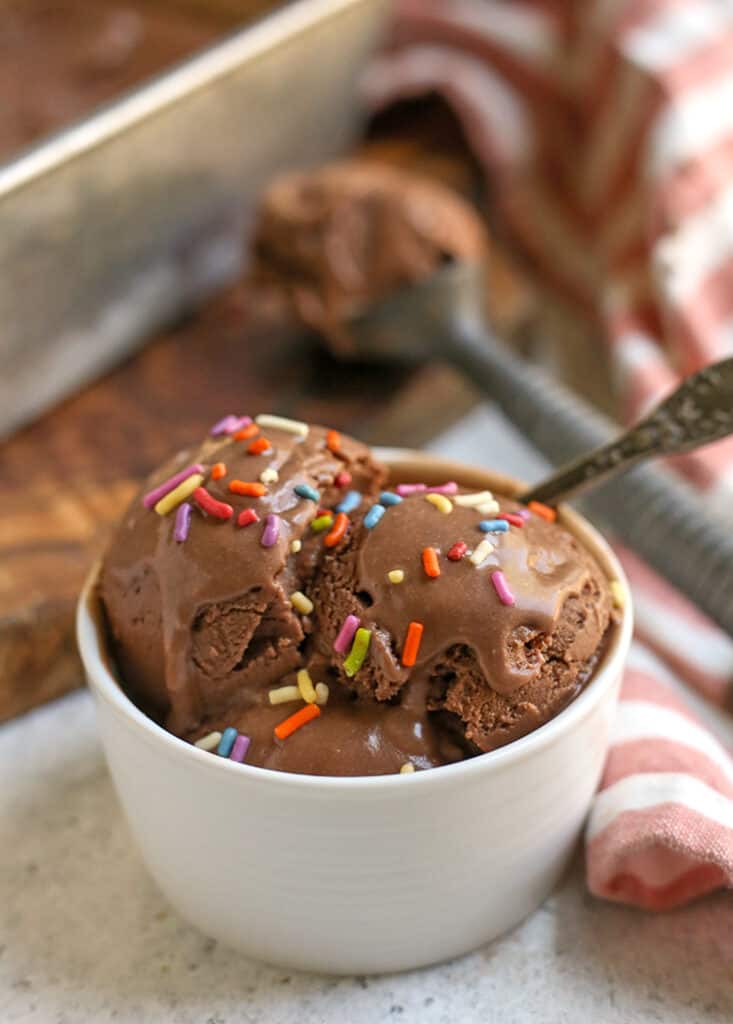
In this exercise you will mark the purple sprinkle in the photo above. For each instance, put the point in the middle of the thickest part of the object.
(224, 426)
(183, 521)
(240, 748)
(404, 489)
(239, 424)
(451, 487)
(524, 513)
(342, 643)
(271, 531)
(153, 497)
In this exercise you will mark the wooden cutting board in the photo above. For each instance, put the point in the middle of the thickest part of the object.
(66, 479)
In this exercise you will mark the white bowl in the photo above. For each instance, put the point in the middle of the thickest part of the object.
(359, 875)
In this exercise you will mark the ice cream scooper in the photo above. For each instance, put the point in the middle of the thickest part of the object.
(650, 509)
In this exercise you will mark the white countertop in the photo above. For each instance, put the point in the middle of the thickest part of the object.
(85, 937)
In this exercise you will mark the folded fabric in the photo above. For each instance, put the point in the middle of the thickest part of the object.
(607, 132)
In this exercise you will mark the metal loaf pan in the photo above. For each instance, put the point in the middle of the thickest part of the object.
(118, 224)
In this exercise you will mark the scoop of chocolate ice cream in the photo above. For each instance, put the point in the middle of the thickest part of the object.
(493, 671)
(473, 629)
(195, 624)
(334, 240)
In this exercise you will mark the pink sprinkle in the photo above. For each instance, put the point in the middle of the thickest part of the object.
(451, 487)
(239, 424)
(223, 426)
(183, 521)
(271, 531)
(240, 748)
(501, 587)
(524, 513)
(153, 497)
(342, 479)
(343, 641)
(404, 489)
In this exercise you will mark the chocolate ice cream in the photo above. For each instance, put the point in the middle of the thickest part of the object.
(401, 629)
(334, 240)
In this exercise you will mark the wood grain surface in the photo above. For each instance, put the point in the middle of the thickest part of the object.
(66, 479)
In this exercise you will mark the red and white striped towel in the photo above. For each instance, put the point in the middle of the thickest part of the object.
(606, 129)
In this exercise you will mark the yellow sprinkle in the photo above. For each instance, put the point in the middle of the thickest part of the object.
(472, 500)
(284, 695)
(617, 593)
(174, 498)
(489, 508)
(441, 502)
(482, 552)
(295, 546)
(321, 694)
(269, 476)
(281, 423)
(209, 742)
(301, 603)
(306, 687)
(407, 769)
(395, 575)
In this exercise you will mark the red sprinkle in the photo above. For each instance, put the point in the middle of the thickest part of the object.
(333, 440)
(247, 516)
(337, 531)
(259, 446)
(458, 550)
(218, 470)
(513, 518)
(212, 507)
(430, 562)
(342, 479)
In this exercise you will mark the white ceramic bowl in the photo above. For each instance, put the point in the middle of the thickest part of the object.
(357, 875)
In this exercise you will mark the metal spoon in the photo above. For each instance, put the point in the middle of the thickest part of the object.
(649, 508)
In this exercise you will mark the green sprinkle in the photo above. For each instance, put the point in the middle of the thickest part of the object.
(321, 523)
(358, 652)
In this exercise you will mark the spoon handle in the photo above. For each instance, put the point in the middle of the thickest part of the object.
(699, 411)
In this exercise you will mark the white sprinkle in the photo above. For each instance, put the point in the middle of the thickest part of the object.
(295, 546)
(482, 552)
(407, 769)
(472, 500)
(284, 695)
(322, 692)
(269, 476)
(282, 423)
(489, 508)
(209, 742)
(301, 603)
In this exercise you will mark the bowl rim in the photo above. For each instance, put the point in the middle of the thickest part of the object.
(104, 685)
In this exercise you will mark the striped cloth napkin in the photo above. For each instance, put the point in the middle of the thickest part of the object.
(606, 130)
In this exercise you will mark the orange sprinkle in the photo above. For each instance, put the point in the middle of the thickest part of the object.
(300, 718)
(337, 531)
(430, 562)
(333, 440)
(246, 432)
(259, 446)
(412, 644)
(248, 489)
(543, 510)
(218, 470)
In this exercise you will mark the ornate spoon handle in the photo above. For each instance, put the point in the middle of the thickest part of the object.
(698, 412)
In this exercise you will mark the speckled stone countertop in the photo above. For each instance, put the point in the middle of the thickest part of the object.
(85, 937)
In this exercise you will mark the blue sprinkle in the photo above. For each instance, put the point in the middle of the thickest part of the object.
(226, 742)
(493, 525)
(306, 491)
(373, 516)
(387, 498)
(350, 502)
